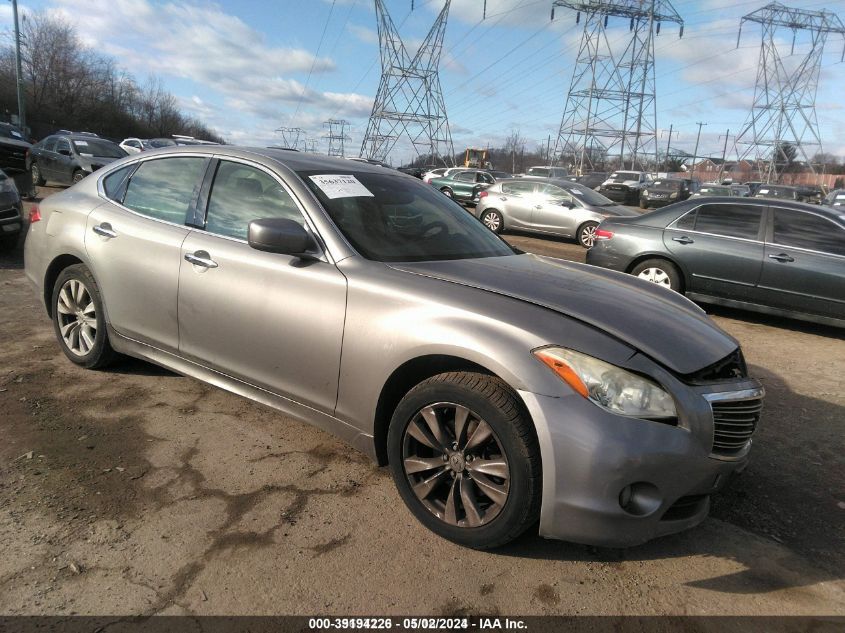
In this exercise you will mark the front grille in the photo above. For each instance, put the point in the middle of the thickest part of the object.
(5, 214)
(734, 422)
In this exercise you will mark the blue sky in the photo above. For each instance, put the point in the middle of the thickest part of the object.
(247, 67)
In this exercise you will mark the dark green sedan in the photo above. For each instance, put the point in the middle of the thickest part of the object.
(464, 185)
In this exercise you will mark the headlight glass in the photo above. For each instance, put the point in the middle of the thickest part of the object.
(645, 192)
(608, 386)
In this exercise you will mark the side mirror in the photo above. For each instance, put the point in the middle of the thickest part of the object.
(64, 152)
(283, 236)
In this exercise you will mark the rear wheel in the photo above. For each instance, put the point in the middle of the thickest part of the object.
(79, 320)
(661, 272)
(493, 220)
(643, 204)
(465, 459)
(587, 234)
(78, 175)
(447, 192)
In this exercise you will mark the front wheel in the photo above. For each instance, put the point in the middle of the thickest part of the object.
(661, 272)
(79, 319)
(587, 234)
(78, 175)
(643, 204)
(465, 459)
(37, 178)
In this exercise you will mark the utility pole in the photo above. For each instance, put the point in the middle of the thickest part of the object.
(695, 151)
(548, 150)
(724, 153)
(19, 71)
(668, 143)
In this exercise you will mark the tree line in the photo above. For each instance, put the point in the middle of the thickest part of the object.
(68, 85)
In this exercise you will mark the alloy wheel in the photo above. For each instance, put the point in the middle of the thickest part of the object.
(492, 221)
(77, 317)
(588, 235)
(36, 175)
(656, 276)
(456, 465)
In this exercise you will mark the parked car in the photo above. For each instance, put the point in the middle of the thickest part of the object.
(13, 148)
(778, 257)
(371, 161)
(442, 172)
(158, 143)
(134, 145)
(811, 194)
(754, 185)
(592, 179)
(835, 199)
(781, 192)
(625, 186)
(504, 389)
(464, 185)
(709, 189)
(665, 191)
(546, 171)
(552, 207)
(11, 211)
(743, 191)
(416, 172)
(68, 158)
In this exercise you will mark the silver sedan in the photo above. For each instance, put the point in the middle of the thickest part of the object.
(542, 205)
(505, 390)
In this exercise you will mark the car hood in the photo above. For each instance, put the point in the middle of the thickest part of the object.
(16, 143)
(660, 323)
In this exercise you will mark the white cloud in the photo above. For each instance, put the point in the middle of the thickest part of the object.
(364, 34)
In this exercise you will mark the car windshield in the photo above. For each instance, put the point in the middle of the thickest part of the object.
(8, 132)
(95, 147)
(622, 176)
(389, 218)
(667, 184)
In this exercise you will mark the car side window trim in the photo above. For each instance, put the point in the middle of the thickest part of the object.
(758, 240)
(102, 193)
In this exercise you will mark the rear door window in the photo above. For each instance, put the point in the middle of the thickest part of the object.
(164, 188)
(806, 230)
(242, 193)
(730, 220)
(62, 144)
(518, 188)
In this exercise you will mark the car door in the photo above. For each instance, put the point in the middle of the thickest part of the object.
(804, 264)
(133, 242)
(463, 184)
(45, 158)
(64, 161)
(721, 247)
(516, 202)
(272, 320)
(554, 210)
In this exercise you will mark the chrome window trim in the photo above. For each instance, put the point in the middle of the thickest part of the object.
(802, 248)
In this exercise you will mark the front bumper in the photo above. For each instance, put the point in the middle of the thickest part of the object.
(624, 194)
(591, 457)
(653, 202)
(11, 215)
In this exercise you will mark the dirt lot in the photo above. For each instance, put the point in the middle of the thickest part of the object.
(137, 491)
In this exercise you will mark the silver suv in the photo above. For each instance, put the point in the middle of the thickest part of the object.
(504, 389)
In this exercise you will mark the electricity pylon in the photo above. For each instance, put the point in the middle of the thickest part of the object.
(337, 136)
(409, 102)
(611, 109)
(290, 136)
(783, 115)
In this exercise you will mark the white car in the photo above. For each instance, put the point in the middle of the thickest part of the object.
(133, 145)
(441, 172)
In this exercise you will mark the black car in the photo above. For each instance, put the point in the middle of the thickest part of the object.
(781, 192)
(11, 211)
(665, 191)
(591, 180)
(811, 194)
(13, 148)
(68, 158)
(773, 256)
(625, 186)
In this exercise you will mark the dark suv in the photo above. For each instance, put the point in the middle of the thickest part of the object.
(13, 148)
(68, 158)
(625, 186)
(665, 191)
(11, 211)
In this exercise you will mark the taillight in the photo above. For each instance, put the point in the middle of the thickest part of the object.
(482, 194)
(603, 234)
(34, 214)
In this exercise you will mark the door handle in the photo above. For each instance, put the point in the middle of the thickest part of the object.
(783, 257)
(683, 240)
(104, 229)
(201, 258)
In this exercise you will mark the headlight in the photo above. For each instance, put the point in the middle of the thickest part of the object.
(610, 387)
(645, 192)
(673, 195)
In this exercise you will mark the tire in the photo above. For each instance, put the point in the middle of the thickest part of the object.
(37, 178)
(586, 234)
(447, 192)
(85, 340)
(493, 487)
(643, 204)
(78, 175)
(493, 220)
(661, 272)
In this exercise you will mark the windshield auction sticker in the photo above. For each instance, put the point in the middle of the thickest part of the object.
(338, 186)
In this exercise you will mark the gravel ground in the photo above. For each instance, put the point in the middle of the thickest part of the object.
(137, 491)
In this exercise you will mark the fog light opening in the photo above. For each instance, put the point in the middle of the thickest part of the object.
(640, 499)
